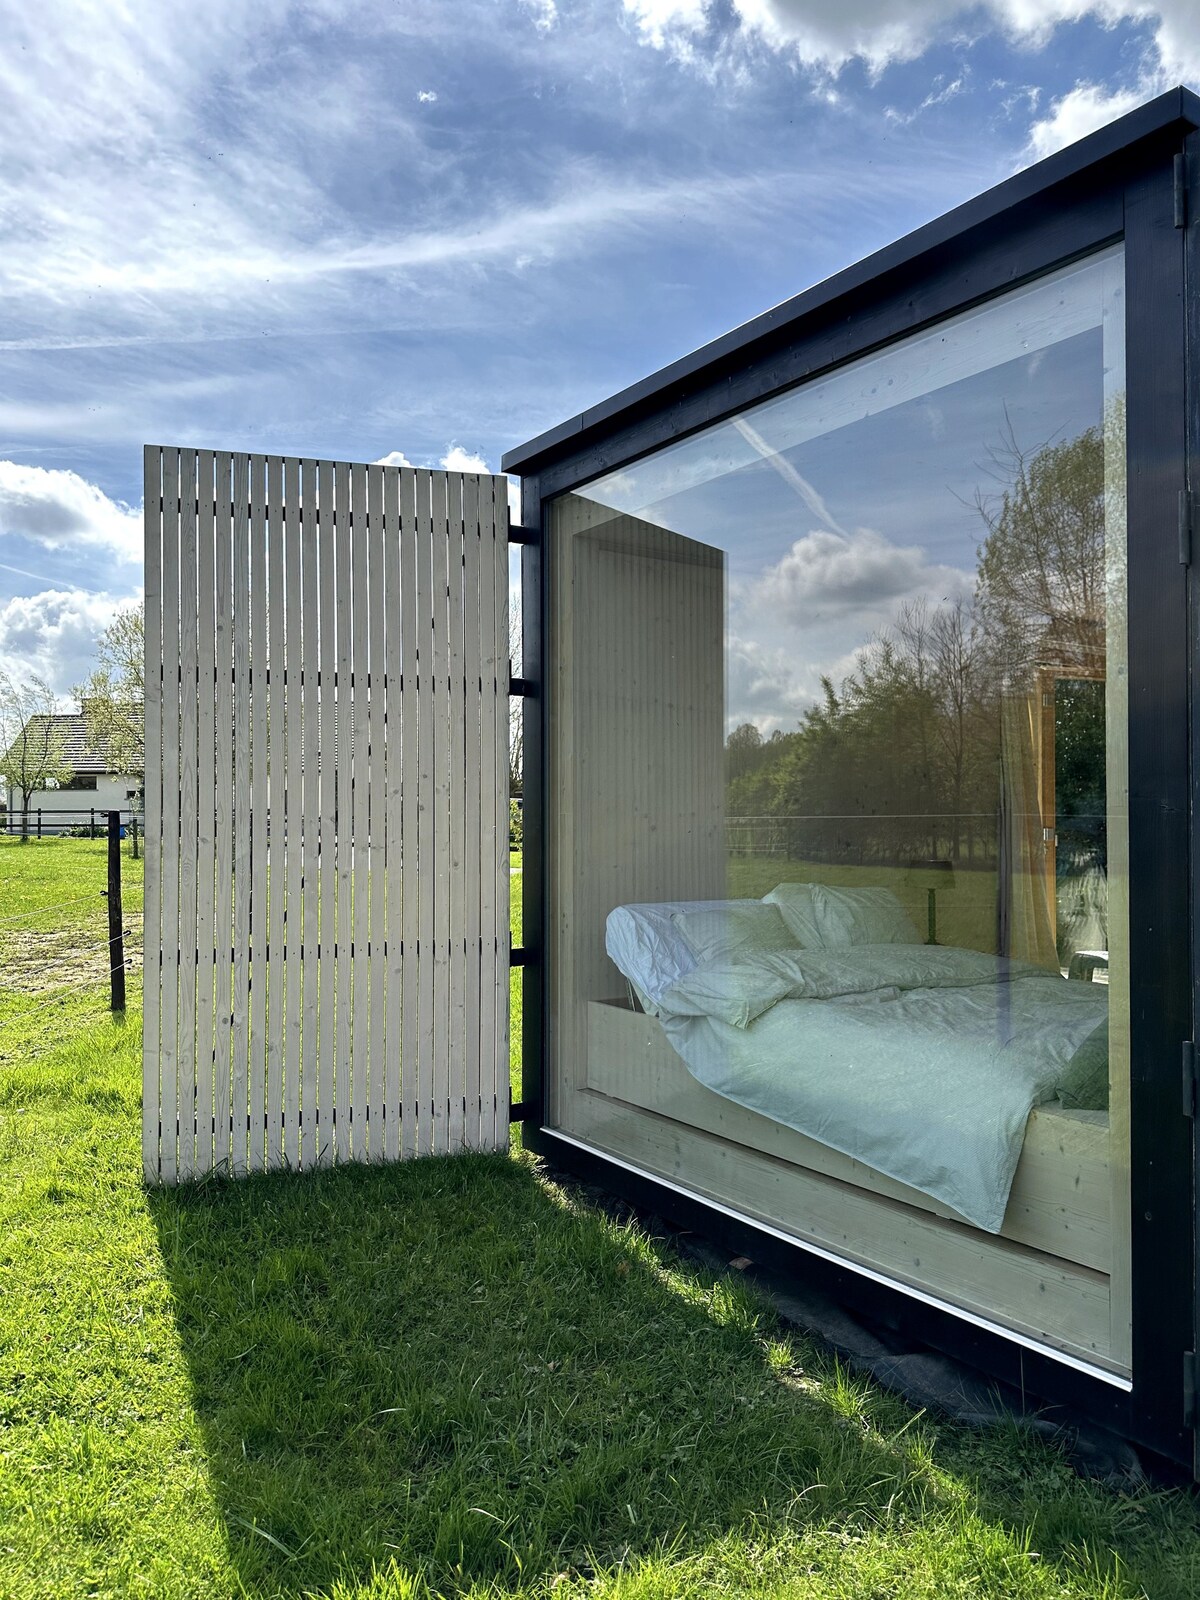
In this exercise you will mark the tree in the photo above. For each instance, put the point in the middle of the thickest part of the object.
(34, 755)
(113, 698)
(516, 707)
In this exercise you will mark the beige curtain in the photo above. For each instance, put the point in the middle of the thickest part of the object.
(1026, 913)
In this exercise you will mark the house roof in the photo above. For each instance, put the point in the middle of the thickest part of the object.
(81, 752)
(1176, 109)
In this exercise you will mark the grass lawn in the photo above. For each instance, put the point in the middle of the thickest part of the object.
(453, 1377)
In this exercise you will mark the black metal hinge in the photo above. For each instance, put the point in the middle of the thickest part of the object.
(1189, 1388)
(1189, 1078)
(520, 535)
(525, 687)
(1187, 521)
(1181, 205)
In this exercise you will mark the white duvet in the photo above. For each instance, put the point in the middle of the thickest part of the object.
(921, 1061)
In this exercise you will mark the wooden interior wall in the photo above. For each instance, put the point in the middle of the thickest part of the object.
(637, 739)
(327, 941)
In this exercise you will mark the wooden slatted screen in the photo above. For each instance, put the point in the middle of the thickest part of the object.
(326, 968)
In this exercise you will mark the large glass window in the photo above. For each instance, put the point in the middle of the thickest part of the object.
(838, 852)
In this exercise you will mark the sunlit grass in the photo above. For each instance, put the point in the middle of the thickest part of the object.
(455, 1377)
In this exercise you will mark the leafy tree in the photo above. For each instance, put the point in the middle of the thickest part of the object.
(113, 698)
(31, 738)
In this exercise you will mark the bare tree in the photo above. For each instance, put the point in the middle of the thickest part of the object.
(33, 755)
(113, 698)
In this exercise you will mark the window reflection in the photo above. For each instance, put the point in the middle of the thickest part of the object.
(863, 879)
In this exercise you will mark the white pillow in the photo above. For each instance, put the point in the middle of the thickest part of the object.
(735, 992)
(795, 901)
(648, 949)
(734, 929)
(861, 916)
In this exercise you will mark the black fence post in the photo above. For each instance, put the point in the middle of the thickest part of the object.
(92, 825)
(39, 822)
(116, 937)
(133, 828)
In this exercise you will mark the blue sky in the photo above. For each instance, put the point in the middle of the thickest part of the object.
(438, 228)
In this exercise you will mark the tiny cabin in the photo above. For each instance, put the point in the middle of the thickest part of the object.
(859, 872)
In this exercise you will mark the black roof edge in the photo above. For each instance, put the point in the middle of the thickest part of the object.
(1178, 106)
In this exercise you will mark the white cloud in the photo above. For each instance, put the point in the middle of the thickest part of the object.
(457, 459)
(426, 96)
(1077, 114)
(60, 510)
(828, 575)
(394, 458)
(53, 634)
(544, 13)
(828, 34)
(762, 686)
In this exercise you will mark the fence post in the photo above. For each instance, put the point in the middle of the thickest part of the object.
(39, 822)
(116, 938)
(92, 825)
(133, 832)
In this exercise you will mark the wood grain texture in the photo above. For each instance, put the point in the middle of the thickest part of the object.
(325, 786)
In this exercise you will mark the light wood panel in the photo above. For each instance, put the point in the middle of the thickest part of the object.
(1050, 1300)
(1060, 1195)
(326, 811)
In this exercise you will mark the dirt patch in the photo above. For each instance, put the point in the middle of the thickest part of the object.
(39, 961)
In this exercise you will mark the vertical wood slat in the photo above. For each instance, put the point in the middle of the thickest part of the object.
(377, 800)
(239, 1093)
(443, 737)
(259, 816)
(345, 862)
(458, 798)
(497, 778)
(360, 784)
(474, 805)
(152, 941)
(206, 805)
(409, 835)
(188, 841)
(392, 903)
(327, 813)
(323, 1148)
(170, 817)
(224, 822)
(274, 834)
(309, 1086)
(293, 832)
(423, 879)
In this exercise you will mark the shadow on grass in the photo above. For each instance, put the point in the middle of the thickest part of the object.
(450, 1365)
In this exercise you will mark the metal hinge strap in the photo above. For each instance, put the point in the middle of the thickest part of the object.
(1187, 518)
(1189, 1078)
(521, 535)
(1180, 175)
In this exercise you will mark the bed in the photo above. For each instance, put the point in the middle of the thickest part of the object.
(969, 1085)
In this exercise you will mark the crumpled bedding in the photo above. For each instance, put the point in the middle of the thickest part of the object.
(921, 1061)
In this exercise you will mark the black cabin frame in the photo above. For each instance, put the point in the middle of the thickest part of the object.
(1137, 181)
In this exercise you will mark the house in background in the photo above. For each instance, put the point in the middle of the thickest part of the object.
(95, 783)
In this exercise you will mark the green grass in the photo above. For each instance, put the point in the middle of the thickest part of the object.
(453, 1377)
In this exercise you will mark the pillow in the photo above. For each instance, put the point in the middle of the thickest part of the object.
(734, 930)
(1084, 1083)
(861, 916)
(647, 948)
(731, 991)
(796, 903)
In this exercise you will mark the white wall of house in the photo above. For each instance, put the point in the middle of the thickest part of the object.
(67, 808)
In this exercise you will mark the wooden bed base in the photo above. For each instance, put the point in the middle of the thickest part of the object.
(1046, 1273)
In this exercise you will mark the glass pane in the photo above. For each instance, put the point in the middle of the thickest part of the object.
(839, 850)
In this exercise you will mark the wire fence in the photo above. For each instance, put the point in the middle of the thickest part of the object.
(66, 947)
